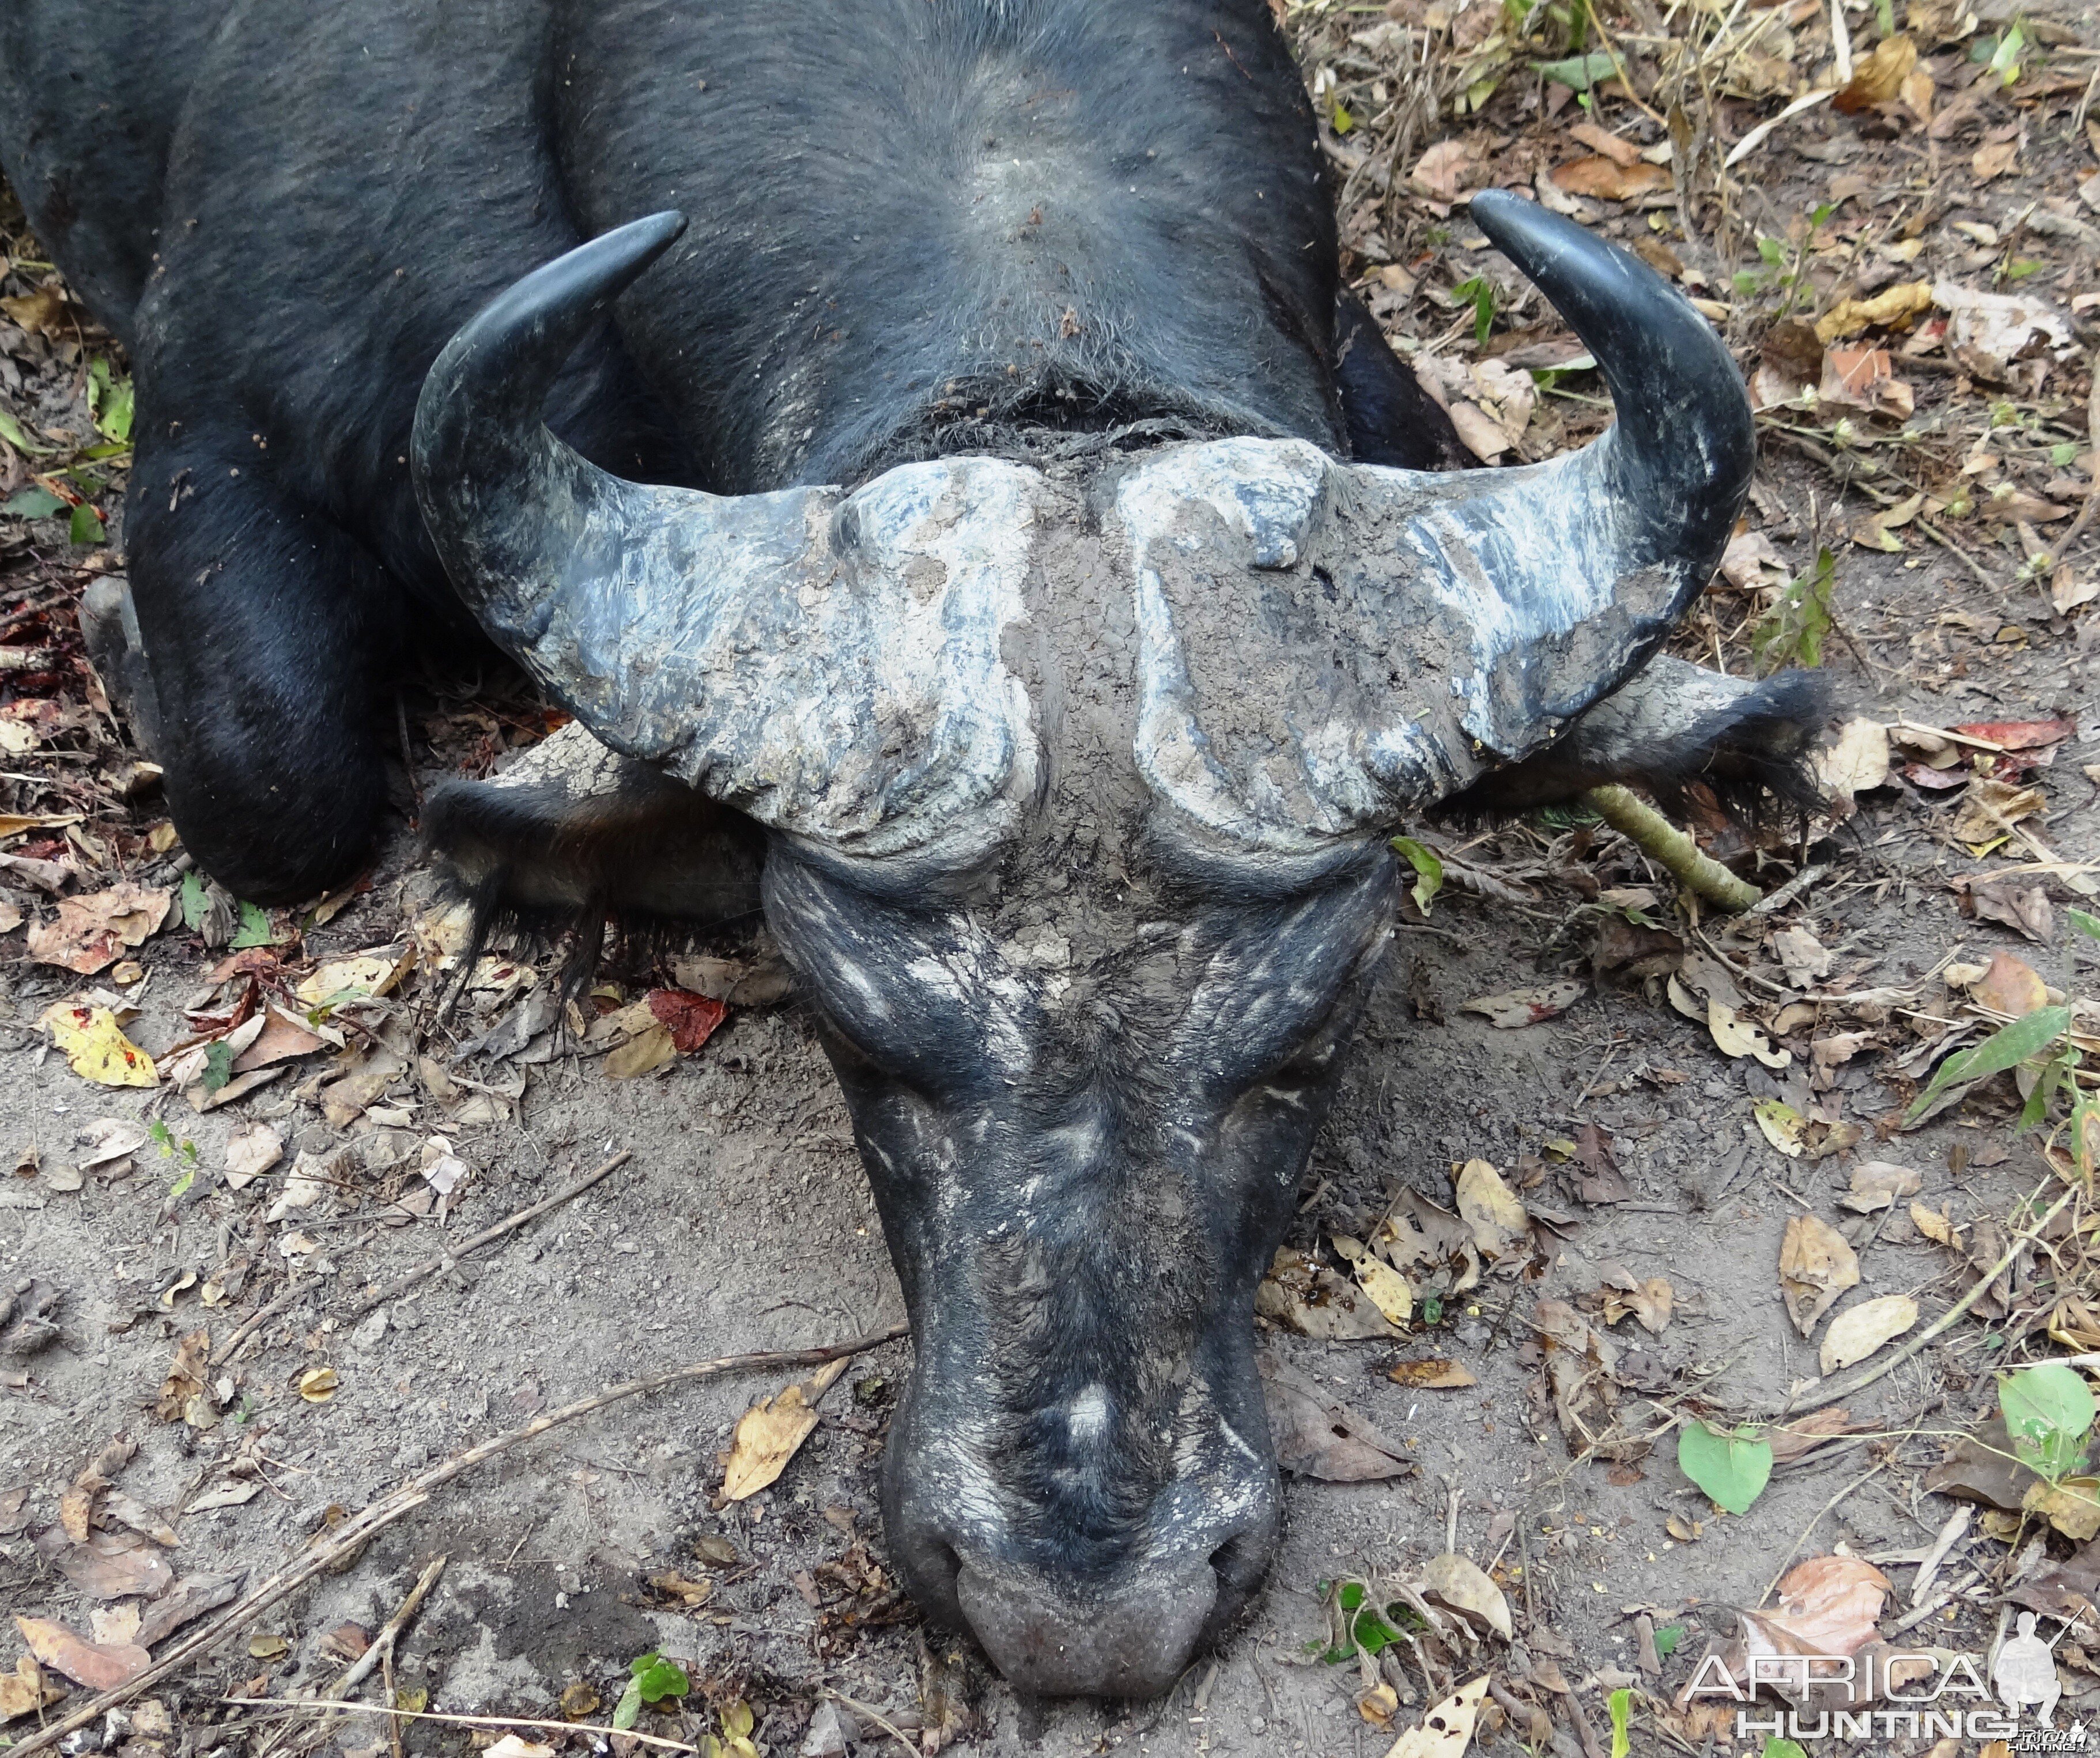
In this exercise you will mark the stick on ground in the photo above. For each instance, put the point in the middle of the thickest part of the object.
(359, 1528)
(1656, 835)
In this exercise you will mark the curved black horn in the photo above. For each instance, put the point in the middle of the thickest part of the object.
(1685, 443)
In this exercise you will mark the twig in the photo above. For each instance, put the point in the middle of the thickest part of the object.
(1655, 835)
(1918, 1617)
(872, 1714)
(358, 1531)
(1950, 1535)
(383, 1645)
(395, 1289)
(1943, 1322)
(261, 1315)
(1794, 1549)
(464, 1721)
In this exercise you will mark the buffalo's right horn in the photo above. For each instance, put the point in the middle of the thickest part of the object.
(783, 651)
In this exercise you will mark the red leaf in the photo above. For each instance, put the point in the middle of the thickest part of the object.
(2020, 735)
(690, 1018)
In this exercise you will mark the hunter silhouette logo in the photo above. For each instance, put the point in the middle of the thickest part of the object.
(2026, 1673)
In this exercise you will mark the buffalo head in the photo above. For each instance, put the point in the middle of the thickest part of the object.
(1065, 793)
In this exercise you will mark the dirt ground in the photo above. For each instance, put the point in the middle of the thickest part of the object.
(741, 1221)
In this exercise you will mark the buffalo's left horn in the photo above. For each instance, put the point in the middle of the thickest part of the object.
(768, 649)
(1571, 573)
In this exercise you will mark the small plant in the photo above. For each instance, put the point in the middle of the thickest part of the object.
(1621, 1704)
(1361, 1628)
(2044, 1032)
(655, 1680)
(1428, 870)
(1791, 632)
(2048, 1413)
(1480, 291)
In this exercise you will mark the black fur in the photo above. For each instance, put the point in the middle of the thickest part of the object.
(1748, 760)
(918, 225)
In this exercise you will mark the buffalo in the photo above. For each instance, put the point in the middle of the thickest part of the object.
(928, 448)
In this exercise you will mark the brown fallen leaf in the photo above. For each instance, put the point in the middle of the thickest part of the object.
(1500, 1227)
(1734, 1036)
(1981, 1467)
(1877, 77)
(1616, 147)
(2069, 1591)
(24, 1691)
(251, 1151)
(691, 1019)
(642, 1054)
(1443, 170)
(183, 1391)
(1315, 1302)
(108, 1565)
(1432, 1374)
(1648, 1302)
(1432, 1247)
(91, 932)
(1461, 1585)
(1608, 180)
(99, 1668)
(1935, 1226)
(1859, 1331)
(1893, 306)
(1994, 159)
(1990, 808)
(1815, 1266)
(1876, 1184)
(2010, 986)
(2069, 1505)
(1386, 1285)
(187, 1601)
(1579, 1364)
(1447, 1729)
(1804, 1434)
(1864, 378)
(1317, 1436)
(1514, 1008)
(2024, 909)
(1830, 1603)
(768, 1433)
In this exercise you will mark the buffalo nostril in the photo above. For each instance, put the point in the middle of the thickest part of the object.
(1133, 1642)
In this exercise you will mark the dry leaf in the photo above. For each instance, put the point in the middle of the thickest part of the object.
(1781, 1125)
(768, 1433)
(1579, 1364)
(106, 1140)
(2010, 986)
(1895, 305)
(1434, 1375)
(1312, 1300)
(2001, 324)
(364, 974)
(91, 932)
(1804, 1434)
(1527, 1007)
(1616, 148)
(1994, 159)
(110, 1565)
(99, 1669)
(643, 1055)
(1991, 807)
(1500, 1228)
(1856, 760)
(183, 1387)
(317, 1385)
(1879, 77)
(1317, 1436)
(1447, 1730)
(1650, 1302)
(1734, 1036)
(1815, 1266)
(2069, 1505)
(1457, 1582)
(1934, 1225)
(2024, 909)
(691, 1019)
(1864, 378)
(1827, 1605)
(1441, 171)
(1806, 960)
(1606, 178)
(1432, 1247)
(251, 1151)
(22, 1691)
(1859, 1331)
(1386, 1285)
(96, 1046)
(1877, 1183)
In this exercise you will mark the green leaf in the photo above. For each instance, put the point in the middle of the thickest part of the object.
(1791, 632)
(1776, 1747)
(628, 1711)
(181, 1184)
(1343, 122)
(1352, 1595)
(194, 903)
(1578, 73)
(2006, 1048)
(1481, 291)
(1428, 870)
(1621, 1704)
(254, 929)
(1667, 1638)
(656, 1678)
(1731, 1468)
(2005, 58)
(33, 503)
(85, 526)
(1433, 1309)
(109, 400)
(218, 1067)
(10, 431)
(2087, 925)
(1372, 1633)
(2049, 1412)
(2021, 267)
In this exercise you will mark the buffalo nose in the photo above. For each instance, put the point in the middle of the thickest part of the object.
(1132, 1643)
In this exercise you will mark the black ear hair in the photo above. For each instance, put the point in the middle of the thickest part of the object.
(645, 855)
(1751, 749)
(1392, 420)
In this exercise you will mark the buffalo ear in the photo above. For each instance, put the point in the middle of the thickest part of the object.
(1674, 727)
(576, 832)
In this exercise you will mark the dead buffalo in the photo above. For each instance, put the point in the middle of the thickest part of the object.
(971, 533)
